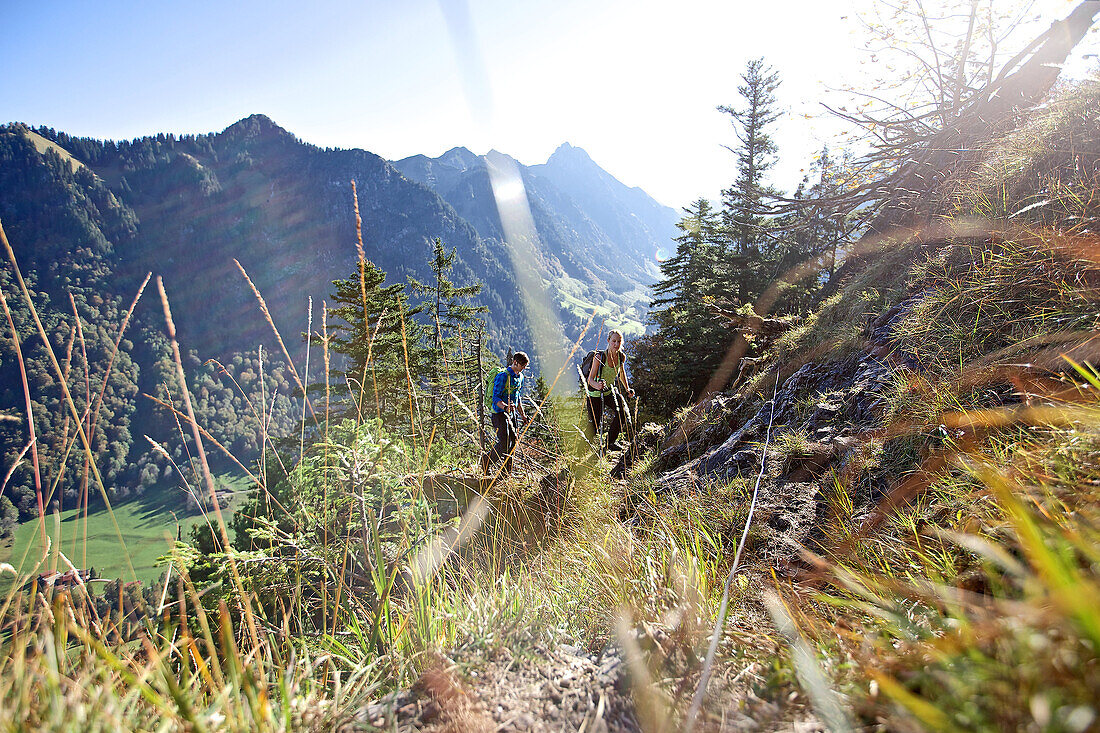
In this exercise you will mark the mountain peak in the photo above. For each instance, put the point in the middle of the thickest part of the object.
(459, 157)
(255, 126)
(499, 157)
(568, 153)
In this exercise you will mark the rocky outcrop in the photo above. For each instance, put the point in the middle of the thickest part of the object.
(832, 406)
(828, 402)
(817, 426)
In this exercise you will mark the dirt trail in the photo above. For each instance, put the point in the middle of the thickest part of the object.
(564, 688)
(567, 688)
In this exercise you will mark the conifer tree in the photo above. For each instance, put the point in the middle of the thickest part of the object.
(720, 259)
(827, 223)
(451, 363)
(805, 238)
(674, 364)
(374, 329)
(743, 204)
(697, 250)
(447, 304)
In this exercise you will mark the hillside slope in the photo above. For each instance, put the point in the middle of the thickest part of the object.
(935, 417)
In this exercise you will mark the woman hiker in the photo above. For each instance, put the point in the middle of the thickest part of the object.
(608, 368)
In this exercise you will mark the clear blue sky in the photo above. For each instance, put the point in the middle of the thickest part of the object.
(634, 82)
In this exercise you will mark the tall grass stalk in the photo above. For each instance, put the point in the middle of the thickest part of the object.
(278, 338)
(244, 597)
(33, 443)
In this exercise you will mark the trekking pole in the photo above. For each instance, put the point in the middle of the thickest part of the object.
(635, 421)
(630, 431)
(622, 411)
(480, 397)
(512, 419)
(588, 411)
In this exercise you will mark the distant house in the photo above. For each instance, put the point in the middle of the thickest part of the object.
(48, 581)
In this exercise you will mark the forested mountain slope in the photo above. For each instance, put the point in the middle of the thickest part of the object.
(89, 219)
(637, 224)
(283, 209)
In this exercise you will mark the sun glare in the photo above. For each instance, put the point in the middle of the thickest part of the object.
(522, 240)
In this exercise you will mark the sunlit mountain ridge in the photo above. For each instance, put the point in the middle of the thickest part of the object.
(597, 238)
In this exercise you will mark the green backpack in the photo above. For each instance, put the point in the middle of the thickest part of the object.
(491, 382)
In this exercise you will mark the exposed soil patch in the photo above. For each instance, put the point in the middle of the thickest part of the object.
(554, 689)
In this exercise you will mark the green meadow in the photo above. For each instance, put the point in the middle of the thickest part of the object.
(148, 525)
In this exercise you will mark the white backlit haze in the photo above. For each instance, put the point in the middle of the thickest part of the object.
(633, 83)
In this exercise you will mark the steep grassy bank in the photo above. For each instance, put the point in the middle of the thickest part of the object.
(923, 549)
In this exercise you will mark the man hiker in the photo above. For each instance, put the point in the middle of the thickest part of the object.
(505, 401)
(608, 369)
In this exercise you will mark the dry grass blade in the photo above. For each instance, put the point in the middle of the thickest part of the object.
(14, 465)
(33, 443)
(825, 700)
(279, 339)
(245, 597)
(114, 353)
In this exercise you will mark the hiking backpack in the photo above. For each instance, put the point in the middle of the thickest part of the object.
(586, 364)
(491, 382)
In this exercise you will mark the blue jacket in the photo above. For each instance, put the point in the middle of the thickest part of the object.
(506, 388)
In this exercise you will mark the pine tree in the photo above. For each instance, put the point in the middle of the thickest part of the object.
(721, 259)
(447, 304)
(805, 238)
(451, 363)
(697, 249)
(674, 365)
(377, 334)
(827, 224)
(743, 211)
